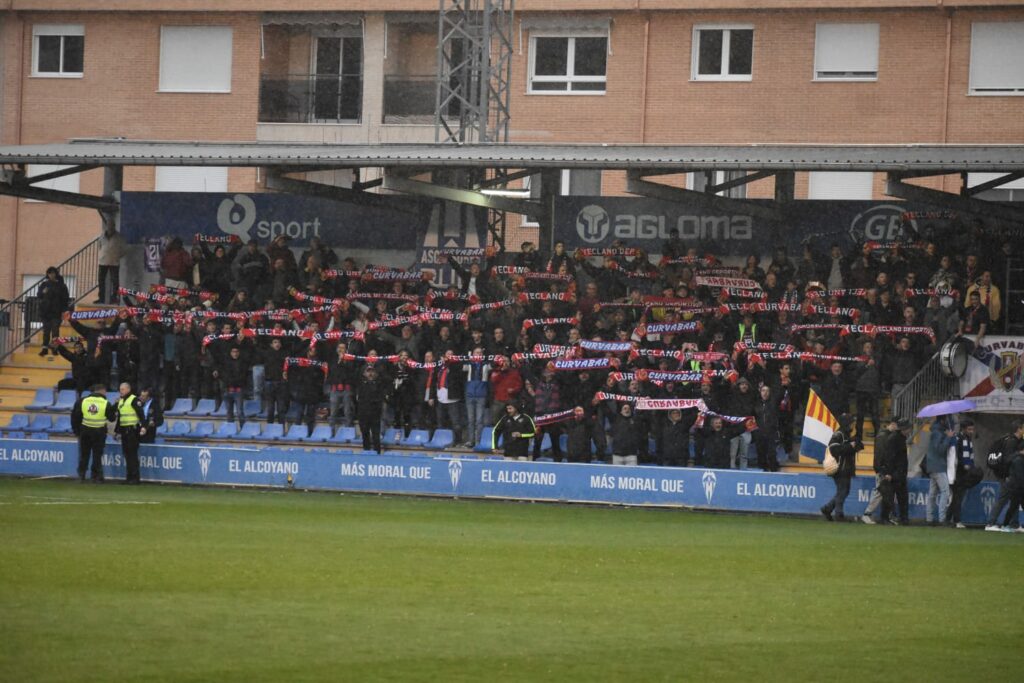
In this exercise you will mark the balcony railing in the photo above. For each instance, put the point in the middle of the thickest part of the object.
(412, 99)
(311, 98)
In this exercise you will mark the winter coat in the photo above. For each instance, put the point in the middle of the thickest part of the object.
(53, 298)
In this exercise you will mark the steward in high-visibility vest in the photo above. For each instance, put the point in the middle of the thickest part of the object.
(129, 422)
(89, 419)
(748, 330)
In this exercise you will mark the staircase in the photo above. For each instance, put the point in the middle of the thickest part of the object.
(22, 369)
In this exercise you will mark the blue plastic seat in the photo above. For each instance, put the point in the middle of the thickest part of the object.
(222, 411)
(113, 397)
(296, 432)
(181, 407)
(18, 422)
(391, 437)
(40, 423)
(344, 435)
(252, 409)
(203, 408)
(65, 400)
(42, 401)
(226, 430)
(544, 459)
(181, 428)
(62, 425)
(273, 432)
(321, 433)
(483, 445)
(15, 435)
(417, 438)
(563, 443)
(39, 435)
(248, 432)
(443, 438)
(545, 443)
(162, 429)
(202, 430)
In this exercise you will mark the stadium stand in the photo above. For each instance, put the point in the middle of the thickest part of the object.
(593, 330)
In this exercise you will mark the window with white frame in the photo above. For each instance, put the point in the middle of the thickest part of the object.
(846, 52)
(195, 59)
(722, 53)
(840, 185)
(58, 51)
(575, 64)
(997, 58)
(191, 179)
(64, 183)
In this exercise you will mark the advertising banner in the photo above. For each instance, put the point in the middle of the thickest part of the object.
(995, 375)
(647, 223)
(471, 477)
(264, 216)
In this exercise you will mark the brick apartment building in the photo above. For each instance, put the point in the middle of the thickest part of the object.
(627, 71)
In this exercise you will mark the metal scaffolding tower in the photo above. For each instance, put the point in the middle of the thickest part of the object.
(474, 73)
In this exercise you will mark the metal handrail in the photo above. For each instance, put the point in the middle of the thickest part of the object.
(19, 316)
(930, 383)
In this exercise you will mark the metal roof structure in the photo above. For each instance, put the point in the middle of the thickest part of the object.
(923, 159)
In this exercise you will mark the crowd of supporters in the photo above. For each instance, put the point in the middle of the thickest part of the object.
(629, 357)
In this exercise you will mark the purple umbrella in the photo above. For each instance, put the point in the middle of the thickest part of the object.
(947, 408)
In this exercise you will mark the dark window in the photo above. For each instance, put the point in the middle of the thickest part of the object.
(59, 54)
(552, 57)
(710, 53)
(741, 52)
(591, 57)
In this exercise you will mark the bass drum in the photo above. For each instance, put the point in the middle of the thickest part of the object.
(953, 357)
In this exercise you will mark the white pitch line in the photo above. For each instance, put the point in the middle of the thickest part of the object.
(93, 502)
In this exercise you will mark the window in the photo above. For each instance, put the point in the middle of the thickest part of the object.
(568, 64)
(997, 58)
(723, 53)
(64, 183)
(58, 51)
(846, 52)
(840, 185)
(195, 59)
(191, 179)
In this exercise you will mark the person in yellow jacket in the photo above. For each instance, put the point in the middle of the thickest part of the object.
(89, 418)
(130, 426)
(989, 294)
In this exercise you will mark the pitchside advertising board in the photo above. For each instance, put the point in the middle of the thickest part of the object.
(995, 375)
(746, 491)
(647, 223)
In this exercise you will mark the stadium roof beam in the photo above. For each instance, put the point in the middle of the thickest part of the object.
(989, 185)
(736, 182)
(895, 187)
(635, 184)
(277, 181)
(14, 183)
(397, 183)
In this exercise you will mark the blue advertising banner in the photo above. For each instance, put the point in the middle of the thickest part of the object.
(647, 223)
(735, 490)
(264, 216)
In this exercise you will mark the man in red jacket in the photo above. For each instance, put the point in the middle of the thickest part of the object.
(506, 383)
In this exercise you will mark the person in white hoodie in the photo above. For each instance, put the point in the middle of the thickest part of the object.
(112, 250)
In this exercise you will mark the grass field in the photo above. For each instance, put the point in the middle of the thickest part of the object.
(161, 583)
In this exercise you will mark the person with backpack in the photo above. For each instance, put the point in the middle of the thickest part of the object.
(845, 452)
(966, 476)
(1005, 453)
(938, 466)
(876, 494)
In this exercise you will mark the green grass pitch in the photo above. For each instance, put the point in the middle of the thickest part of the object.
(163, 583)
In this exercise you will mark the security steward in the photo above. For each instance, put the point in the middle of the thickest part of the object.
(516, 429)
(130, 420)
(89, 420)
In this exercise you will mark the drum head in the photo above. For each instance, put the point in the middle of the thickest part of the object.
(953, 358)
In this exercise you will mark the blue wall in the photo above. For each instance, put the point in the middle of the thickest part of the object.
(748, 491)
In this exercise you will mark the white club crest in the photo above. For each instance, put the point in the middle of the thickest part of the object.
(205, 456)
(710, 480)
(988, 500)
(454, 472)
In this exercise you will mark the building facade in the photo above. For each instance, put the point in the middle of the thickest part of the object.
(624, 71)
